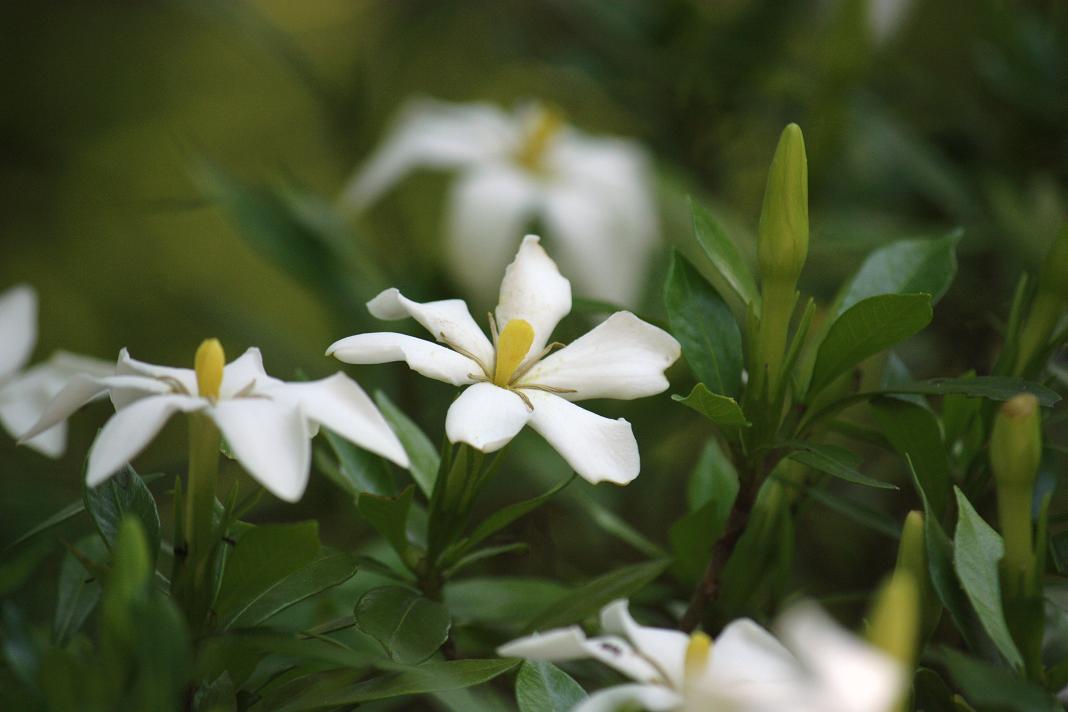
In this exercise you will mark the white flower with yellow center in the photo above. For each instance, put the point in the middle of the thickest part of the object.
(267, 423)
(592, 196)
(24, 392)
(746, 669)
(514, 379)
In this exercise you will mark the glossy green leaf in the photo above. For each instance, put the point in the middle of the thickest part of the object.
(705, 327)
(121, 494)
(360, 471)
(409, 626)
(721, 410)
(424, 456)
(330, 568)
(540, 686)
(586, 600)
(905, 267)
(834, 461)
(868, 327)
(994, 688)
(78, 591)
(977, 549)
(494, 601)
(344, 687)
(913, 430)
(990, 387)
(389, 517)
(262, 557)
(723, 254)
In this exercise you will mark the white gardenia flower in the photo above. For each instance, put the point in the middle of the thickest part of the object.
(592, 196)
(513, 381)
(746, 669)
(267, 423)
(24, 392)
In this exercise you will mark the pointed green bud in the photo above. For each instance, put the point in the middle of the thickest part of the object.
(782, 242)
(1016, 442)
(1047, 307)
(912, 551)
(1054, 275)
(895, 618)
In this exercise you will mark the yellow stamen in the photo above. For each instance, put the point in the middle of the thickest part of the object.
(513, 343)
(697, 653)
(547, 124)
(209, 363)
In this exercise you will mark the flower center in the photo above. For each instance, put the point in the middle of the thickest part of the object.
(697, 653)
(209, 362)
(513, 343)
(544, 129)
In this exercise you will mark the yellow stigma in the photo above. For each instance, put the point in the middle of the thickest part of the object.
(697, 653)
(209, 363)
(545, 127)
(512, 346)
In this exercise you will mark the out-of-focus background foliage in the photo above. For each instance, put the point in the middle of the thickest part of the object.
(123, 122)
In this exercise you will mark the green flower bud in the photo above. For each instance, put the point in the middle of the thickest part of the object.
(895, 618)
(1048, 306)
(782, 242)
(912, 557)
(1016, 442)
(1054, 276)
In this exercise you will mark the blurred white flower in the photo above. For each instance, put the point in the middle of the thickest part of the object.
(24, 392)
(885, 18)
(821, 667)
(514, 381)
(592, 196)
(267, 423)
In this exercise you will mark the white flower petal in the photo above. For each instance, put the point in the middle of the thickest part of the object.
(747, 663)
(623, 357)
(850, 675)
(654, 698)
(244, 372)
(128, 432)
(23, 401)
(339, 403)
(425, 357)
(552, 645)
(596, 448)
(489, 208)
(81, 389)
(433, 134)
(663, 647)
(270, 440)
(448, 321)
(533, 289)
(486, 417)
(186, 377)
(18, 328)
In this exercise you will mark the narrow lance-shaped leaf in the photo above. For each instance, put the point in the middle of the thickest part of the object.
(834, 461)
(914, 431)
(723, 254)
(422, 453)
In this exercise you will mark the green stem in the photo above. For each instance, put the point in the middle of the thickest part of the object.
(1014, 514)
(778, 305)
(192, 582)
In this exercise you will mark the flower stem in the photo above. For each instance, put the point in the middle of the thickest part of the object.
(192, 580)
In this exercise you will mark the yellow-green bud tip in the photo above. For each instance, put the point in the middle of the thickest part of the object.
(911, 552)
(895, 617)
(209, 363)
(697, 653)
(782, 242)
(1016, 441)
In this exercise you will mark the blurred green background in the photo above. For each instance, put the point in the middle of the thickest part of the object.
(115, 113)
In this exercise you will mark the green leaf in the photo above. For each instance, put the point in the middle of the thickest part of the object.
(723, 254)
(993, 687)
(409, 626)
(78, 591)
(705, 327)
(721, 410)
(913, 430)
(424, 456)
(263, 556)
(389, 517)
(868, 327)
(693, 536)
(873, 519)
(834, 461)
(486, 553)
(121, 494)
(501, 518)
(618, 527)
(990, 387)
(977, 551)
(360, 471)
(905, 267)
(331, 568)
(590, 597)
(543, 687)
(494, 601)
(345, 687)
(68, 512)
(713, 477)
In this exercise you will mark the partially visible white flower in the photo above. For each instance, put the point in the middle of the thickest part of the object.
(514, 381)
(24, 392)
(885, 17)
(266, 422)
(822, 668)
(592, 195)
